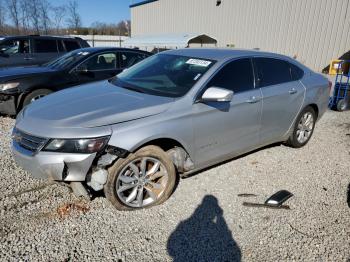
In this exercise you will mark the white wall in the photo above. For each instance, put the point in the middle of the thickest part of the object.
(316, 31)
(103, 40)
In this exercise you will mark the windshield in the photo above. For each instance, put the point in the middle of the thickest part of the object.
(67, 60)
(164, 75)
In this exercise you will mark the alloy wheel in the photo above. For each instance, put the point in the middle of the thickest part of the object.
(142, 182)
(36, 98)
(305, 127)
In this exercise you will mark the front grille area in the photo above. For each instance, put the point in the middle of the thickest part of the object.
(28, 142)
(4, 98)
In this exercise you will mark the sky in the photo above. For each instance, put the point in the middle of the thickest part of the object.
(104, 11)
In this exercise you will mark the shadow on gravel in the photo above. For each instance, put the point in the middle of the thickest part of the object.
(7, 116)
(205, 236)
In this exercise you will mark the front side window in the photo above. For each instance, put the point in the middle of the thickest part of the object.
(130, 58)
(271, 71)
(14, 46)
(100, 62)
(164, 75)
(236, 76)
(45, 46)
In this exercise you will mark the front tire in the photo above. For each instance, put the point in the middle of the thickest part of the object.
(143, 179)
(35, 95)
(303, 128)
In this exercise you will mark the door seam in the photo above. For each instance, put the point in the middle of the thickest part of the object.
(261, 112)
(301, 107)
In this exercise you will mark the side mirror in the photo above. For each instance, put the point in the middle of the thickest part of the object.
(82, 69)
(217, 94)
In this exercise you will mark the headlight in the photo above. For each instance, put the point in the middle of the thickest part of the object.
(8, 86)
(82, 146)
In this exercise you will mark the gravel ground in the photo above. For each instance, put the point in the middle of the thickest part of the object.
(203, 220)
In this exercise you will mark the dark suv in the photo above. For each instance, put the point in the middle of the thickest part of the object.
(19, 86)
(35, 49)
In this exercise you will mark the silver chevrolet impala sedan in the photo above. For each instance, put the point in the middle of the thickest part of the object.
(172, 114)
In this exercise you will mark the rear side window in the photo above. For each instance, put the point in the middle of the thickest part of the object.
(296, 72)
(236, 76)
(100, 62)
(45, 46)
(130, 58)
(272, 71)
(71, 45)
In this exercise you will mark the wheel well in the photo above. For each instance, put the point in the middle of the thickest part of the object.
(177, 153)
(20, 101)
(21, 98)
(164, 143)
(315, 108)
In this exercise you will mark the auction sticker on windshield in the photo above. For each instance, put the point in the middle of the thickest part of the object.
(198, 62)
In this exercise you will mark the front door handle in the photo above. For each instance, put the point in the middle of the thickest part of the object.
(28, 58)
(292, 91)
(253, 100)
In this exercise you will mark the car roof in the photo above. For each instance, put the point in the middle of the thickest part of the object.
(221, 54)
(40, 36)
(98, 49)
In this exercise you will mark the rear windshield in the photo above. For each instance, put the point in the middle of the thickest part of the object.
(164, 75)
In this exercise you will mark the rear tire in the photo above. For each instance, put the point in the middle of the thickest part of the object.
(143, 179)
(35, 95)
(303, 128)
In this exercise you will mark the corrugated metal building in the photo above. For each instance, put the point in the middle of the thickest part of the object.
(315, 31)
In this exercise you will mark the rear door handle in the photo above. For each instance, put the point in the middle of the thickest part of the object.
(253, 100)
(292, 91)
(28, 58)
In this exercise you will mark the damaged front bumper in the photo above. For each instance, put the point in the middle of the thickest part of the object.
(55, 166)
(7, 104)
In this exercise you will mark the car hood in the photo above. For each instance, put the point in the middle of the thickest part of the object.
(92, 105)
(17, 72)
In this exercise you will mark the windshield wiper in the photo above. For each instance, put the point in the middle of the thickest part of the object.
(133, 89)
(116, 81)
(150, 80)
